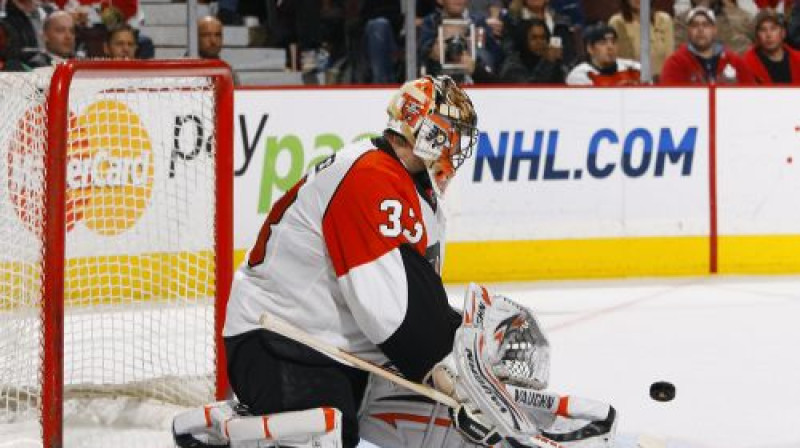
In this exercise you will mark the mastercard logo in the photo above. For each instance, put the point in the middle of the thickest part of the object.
(110, 168)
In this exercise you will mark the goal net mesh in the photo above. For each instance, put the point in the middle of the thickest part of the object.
(139, 278)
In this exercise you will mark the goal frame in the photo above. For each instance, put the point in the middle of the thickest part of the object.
(54, 230)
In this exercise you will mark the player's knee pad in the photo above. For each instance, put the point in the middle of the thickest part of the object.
(394, 417)
(227, 424)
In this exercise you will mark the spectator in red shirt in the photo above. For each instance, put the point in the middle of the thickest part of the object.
(704, 60)
(770, 59)
(768, 3)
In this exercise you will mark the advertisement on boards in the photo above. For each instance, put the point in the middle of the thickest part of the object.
(550, 164)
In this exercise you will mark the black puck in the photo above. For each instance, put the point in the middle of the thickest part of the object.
(662, 391)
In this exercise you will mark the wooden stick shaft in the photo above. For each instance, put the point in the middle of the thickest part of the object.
(281, 327)
(277, 325)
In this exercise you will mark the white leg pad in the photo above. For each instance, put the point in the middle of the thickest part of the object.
(394, 417)
(318, 427)
(218, 424)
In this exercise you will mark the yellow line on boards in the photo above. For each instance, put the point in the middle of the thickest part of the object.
(759, 254)
(114, 279)
(575, 259)
(165, 277)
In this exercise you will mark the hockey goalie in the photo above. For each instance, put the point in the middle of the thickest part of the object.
(351, 254)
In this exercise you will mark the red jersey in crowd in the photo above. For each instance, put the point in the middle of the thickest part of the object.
(684, 67)
(768, 3)
(128, 8)
(759, 69)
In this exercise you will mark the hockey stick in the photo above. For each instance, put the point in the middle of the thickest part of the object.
(284, 328)
(277, 325)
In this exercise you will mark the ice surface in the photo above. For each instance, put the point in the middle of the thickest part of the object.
(729, 344)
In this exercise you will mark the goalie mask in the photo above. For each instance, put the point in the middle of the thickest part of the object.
(437, 118)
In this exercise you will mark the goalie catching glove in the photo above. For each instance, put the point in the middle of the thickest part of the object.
(499, 365)
(523, 354)
(469, 373)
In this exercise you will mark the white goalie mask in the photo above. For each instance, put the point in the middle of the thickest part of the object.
(438, 119)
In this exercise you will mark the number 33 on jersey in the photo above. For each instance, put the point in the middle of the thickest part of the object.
(395, 226)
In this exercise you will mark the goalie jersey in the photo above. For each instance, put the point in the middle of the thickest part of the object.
(351, 254)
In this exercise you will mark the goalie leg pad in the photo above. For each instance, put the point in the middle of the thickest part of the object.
(393, 417)
(227, 424)
(272, 374)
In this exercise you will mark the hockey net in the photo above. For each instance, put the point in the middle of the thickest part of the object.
(115, 235)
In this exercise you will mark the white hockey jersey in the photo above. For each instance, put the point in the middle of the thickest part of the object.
(586, 74)
(351, 254)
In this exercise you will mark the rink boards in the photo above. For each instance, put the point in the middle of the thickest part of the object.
(570, 183)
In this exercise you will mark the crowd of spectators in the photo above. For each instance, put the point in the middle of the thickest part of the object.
(548, 41)
(36, 33)
(576, 42)
(39, 33)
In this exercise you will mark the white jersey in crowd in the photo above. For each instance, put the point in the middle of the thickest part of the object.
(586, 74)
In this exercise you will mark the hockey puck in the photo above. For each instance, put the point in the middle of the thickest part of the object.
(662, 391)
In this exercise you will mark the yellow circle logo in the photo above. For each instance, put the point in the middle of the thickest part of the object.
(109, 169)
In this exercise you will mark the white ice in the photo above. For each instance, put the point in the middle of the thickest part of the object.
(729, 344)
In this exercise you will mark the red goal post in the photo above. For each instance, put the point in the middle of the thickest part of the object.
(177, 272)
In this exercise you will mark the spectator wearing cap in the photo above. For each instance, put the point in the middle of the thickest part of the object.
(662, 37)
(734, 24)
(704, 60)
(59, 40)
(770, 59)
(603, 67)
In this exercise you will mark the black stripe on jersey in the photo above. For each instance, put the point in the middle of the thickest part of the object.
(426, 334)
